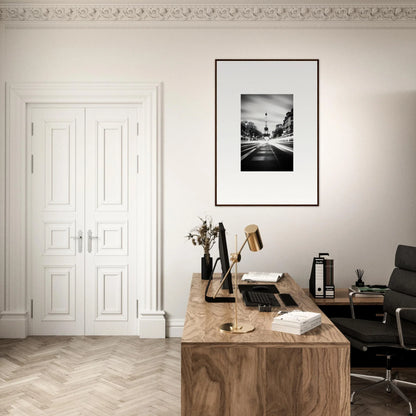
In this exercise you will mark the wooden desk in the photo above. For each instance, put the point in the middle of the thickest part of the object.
(263, 372)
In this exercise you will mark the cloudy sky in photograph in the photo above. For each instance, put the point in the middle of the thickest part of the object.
(253, 107)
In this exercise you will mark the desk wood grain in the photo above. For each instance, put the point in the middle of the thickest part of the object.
(264, 372)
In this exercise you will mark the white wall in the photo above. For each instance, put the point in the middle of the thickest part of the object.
(367, 135)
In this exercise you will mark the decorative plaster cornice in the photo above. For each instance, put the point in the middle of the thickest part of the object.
(206, 13)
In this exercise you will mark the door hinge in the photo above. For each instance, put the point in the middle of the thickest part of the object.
(32, 129)
(137, 308)
(31, 163)
(137, 162)
(31, 308)
(137, 129)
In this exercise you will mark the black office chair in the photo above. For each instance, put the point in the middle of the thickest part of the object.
(397, 332)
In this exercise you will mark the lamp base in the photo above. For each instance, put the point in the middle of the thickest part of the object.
(241, 329)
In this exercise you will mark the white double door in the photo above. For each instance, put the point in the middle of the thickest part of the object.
(82, 219)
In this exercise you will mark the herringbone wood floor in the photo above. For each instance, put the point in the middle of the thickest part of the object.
(98, 376)
(120, 376)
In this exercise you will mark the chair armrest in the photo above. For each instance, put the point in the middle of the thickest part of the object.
(352, 294)
(400, 329)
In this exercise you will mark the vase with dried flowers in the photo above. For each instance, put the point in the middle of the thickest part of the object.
(204, 235)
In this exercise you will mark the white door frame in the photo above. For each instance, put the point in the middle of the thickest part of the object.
(14, 317)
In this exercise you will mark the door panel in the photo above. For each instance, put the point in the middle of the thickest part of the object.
(112, 293)
(112, 239)
(60, 160)
(111, 220)
(112, 164)
(58, 238)
(56, 217)
(59, 293)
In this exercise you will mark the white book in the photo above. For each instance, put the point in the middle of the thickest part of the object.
(295, 331)
(262, 277)
(296, 322)
(297, 317)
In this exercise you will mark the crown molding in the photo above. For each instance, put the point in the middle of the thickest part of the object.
(206, 13)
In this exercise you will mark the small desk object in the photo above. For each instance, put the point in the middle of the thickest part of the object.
(263, 372)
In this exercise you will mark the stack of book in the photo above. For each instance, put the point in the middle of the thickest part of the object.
(369, 289)
(296, 322)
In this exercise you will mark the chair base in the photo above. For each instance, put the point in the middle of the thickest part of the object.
(389, 383)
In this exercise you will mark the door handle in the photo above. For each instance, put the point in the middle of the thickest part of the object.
(79, 238)
(90, 237)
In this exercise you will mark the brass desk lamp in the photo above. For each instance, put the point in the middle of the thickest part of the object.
(253, 239)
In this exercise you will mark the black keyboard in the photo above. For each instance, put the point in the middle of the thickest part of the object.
(254, 298)
(287, 299)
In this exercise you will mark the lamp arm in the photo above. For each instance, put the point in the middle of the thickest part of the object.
(241, 249)
(236, 260)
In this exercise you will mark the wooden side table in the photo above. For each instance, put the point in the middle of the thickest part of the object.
(366, 306)
(341, 298)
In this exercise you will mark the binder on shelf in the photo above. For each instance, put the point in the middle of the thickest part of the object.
(321, 281)
(329, 278)
(316, 280)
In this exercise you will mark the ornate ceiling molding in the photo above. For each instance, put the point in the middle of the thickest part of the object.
(206, 13)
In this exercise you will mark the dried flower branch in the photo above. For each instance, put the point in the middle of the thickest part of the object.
(204, 235)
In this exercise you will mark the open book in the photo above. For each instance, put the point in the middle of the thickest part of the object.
(262, 277)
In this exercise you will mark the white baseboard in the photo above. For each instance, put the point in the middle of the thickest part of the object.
(13, 325)
(175, 328)
(152, 324)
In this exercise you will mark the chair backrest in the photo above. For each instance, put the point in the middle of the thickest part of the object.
(402, 284)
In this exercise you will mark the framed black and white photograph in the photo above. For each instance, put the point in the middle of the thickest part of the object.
(266, 133)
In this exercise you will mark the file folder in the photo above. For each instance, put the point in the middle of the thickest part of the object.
(321, 281)
(316, 280)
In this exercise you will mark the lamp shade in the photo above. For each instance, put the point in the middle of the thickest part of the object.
(253, 237)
